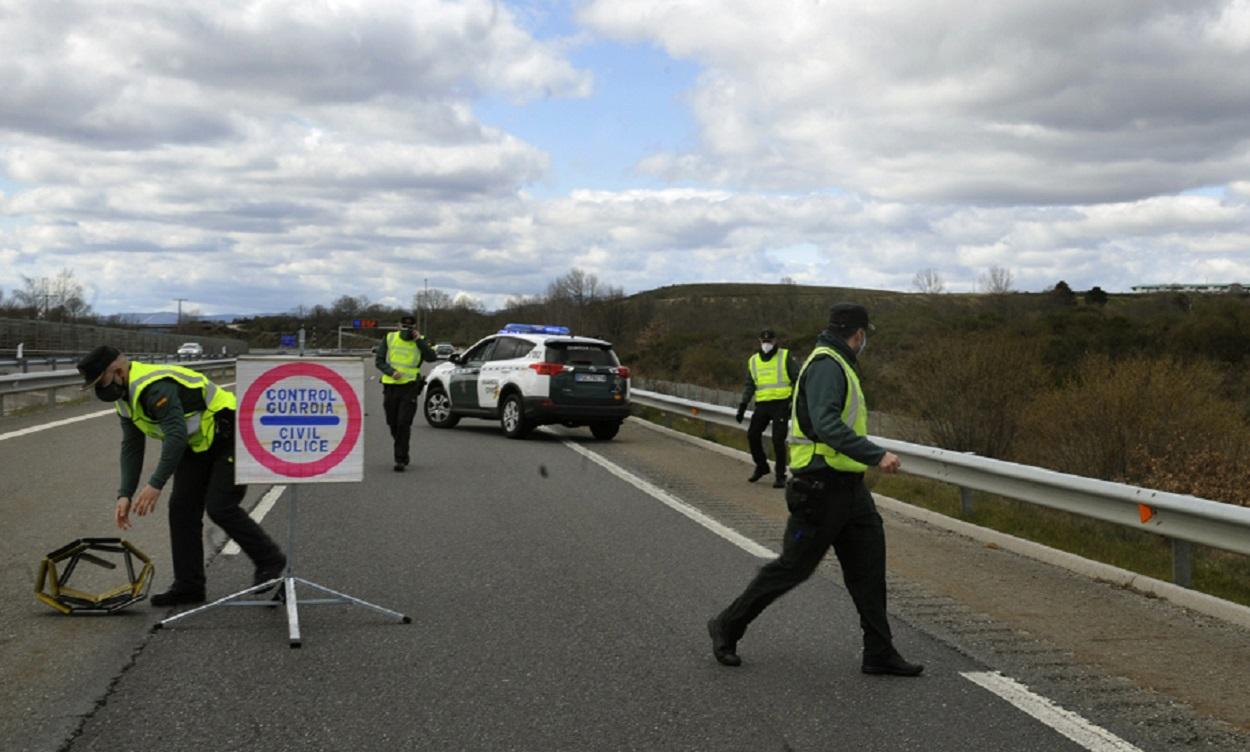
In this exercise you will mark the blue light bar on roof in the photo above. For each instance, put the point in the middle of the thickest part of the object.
(534, 329)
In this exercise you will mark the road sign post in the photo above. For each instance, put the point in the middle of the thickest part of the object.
(300, 420)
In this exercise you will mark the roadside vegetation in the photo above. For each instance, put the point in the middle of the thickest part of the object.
(1147, 389)
(1151, 390)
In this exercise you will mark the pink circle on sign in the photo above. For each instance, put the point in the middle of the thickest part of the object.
(247, 410)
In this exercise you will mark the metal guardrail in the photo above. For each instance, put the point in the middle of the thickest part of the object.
(52, 381)
(1183, 519)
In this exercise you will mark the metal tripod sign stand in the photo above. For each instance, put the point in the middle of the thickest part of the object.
(299, 421)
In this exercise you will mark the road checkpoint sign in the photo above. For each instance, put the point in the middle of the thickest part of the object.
(300, 420)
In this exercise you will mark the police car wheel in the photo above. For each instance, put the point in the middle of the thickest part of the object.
(438, 409)
(605, 430)
(512, 417)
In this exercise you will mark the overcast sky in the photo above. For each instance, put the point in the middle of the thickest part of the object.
(255, 155)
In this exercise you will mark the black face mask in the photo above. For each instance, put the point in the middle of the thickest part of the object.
(110, 393)
(408, 333)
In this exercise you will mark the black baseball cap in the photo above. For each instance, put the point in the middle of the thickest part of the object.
(847, 317)
(768, 335)
(407, 320)
(94, 363)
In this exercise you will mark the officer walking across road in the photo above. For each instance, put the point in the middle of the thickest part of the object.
(771, 372)
(828, 502)
(193, 418)
(399, 359)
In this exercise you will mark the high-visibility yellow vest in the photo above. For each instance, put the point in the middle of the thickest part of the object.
(404, 356)
(200, 423)
(854, 414)
(772, 380)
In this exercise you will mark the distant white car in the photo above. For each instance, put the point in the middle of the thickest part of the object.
(191, 348)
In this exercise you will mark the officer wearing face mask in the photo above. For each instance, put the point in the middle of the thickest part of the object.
(399, 359)
(828, 502)
(193, 418)
(770, 375)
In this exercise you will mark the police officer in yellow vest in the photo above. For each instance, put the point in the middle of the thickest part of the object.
(193, 418)
(770, 375)
(399, 359)
(828, 501)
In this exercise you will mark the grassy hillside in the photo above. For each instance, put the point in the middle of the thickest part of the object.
(1146, 389)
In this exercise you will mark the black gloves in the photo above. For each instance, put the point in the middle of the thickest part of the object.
(742, 411)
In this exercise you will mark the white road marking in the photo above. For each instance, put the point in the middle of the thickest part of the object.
(258, 513)
(54, 424)
(664, 497)
(65, 422)
(1091, 737)
(1069, 724)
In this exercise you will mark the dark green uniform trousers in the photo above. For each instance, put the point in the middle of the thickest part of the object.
(848, 521)
(204, 482)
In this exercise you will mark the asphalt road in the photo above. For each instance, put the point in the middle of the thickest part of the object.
(554, 606)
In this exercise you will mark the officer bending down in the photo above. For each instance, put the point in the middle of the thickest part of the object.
(193, 418)
(770, 373)
(828, 501)
(399, 359)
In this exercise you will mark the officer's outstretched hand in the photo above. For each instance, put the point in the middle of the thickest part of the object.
(121, 515)
(890, 463)
(145, 502)
(742, 411)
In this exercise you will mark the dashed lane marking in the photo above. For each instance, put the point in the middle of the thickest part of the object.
(681, 507)
(1069, 724)
(258, 513)
(54, 424)
(65, 422)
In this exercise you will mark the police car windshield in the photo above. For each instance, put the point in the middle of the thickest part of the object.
(581, 354)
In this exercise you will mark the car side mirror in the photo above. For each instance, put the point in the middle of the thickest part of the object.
(454, 358)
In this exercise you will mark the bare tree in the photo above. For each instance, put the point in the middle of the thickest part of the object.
(347, 306)
(432, 299)
(576, 287)
(61, 297)
(997, 281)
(928, 281)
(466, 302)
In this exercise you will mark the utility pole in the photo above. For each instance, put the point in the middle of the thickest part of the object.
(179, 311)
(426, 306)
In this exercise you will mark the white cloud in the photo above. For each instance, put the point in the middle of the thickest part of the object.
(1028, 101)
(254, 156)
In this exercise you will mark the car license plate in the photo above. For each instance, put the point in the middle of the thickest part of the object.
(590, 377)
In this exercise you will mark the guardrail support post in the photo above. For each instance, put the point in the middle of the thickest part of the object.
(966, 507)
(1182, 562)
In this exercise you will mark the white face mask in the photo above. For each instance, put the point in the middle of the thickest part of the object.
(863, 345)
(766, 347)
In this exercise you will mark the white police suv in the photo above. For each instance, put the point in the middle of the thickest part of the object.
(529, 375)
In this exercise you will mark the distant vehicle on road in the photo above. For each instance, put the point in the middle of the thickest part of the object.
(191, 348)
(444, 350)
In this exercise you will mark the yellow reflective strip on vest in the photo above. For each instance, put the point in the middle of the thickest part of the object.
(801, 449)
(403, 357)
(772, 379)
(199, 431)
